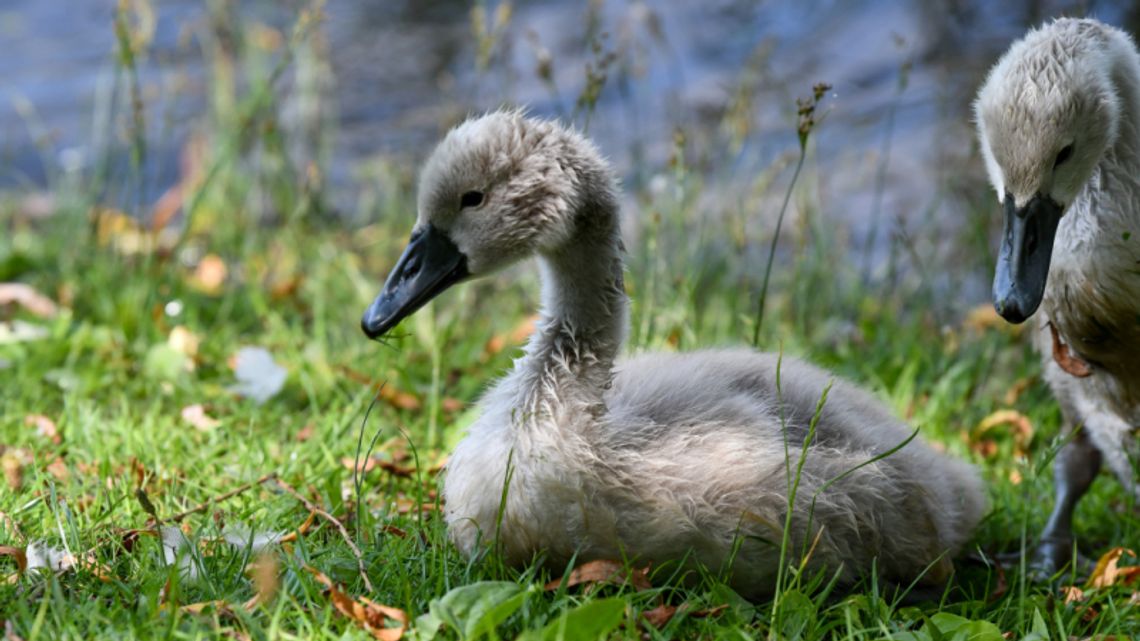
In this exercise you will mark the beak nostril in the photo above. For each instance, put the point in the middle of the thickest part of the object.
(412, 268)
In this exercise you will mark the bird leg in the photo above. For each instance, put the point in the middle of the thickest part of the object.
(1076, 466)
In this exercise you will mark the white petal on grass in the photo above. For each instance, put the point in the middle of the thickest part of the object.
(177, 549)
(259, 376)
(19, 331)
(42, 556)
(241, 537)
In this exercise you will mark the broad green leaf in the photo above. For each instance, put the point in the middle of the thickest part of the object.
(473, 611)
(588, 622)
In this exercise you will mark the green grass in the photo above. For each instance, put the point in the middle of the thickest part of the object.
(296, 286)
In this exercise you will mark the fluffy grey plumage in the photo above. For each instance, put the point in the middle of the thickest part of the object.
(1077, 83)
(660, 457)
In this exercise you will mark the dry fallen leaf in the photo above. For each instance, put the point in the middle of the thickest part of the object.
(603, 571)
(394, 531)
(395, 469)
(1072, 594)
(1016, 390)
(1108, 571)
(366, 613)
(16, 554)
(660, 615)
(516, 336)
(405, 505)
(984, 317)
(399, 399)
(210, 274)
(10, 632)
(12, 462)
(25, 296)
(1022, 432)
(300, 531)
(45, 427)
(58, 469)
(306, 433)
(266, 580)
(218, 605)
(184, 341)
(196, 415)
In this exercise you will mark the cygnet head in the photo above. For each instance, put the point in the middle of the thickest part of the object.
(497, 189)
(1046, 115)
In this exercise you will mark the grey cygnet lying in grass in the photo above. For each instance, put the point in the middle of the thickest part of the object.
(660, 457)
(1059, 122)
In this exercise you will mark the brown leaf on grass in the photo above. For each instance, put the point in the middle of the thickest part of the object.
(1066, 359)
(10, 632)
(306, 433)
(394, 531)
(984, 317)
(603, 571)
(25, 296)
(210, 274)
(196, 416)
(385, 391)
(659, 616)
(58, 469)
(395, 469)
(12, 462)
(1108, 571)
(516, 336)
(139, 472)
(45, 427)
(218, 605)
(301, 531)
(399, 399)
(371, 616)
(1072, 594)
(285, 288)
(706, 613)
(183, 341)
(1001, 586)
(405, 505)
(451, 405)
(266, 576)
(1016, 390)
(1022, 430)
(1075, 596)
(16, 554)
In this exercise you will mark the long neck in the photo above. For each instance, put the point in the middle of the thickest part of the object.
(569, 359)
(1110, 195)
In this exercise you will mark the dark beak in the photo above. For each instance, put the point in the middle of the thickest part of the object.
(1023, 264)
(430, 264)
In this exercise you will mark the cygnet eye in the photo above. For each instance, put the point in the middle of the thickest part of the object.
(1063, 155)
(471, 199)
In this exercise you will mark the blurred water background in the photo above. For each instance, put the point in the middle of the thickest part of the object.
(892, 166)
